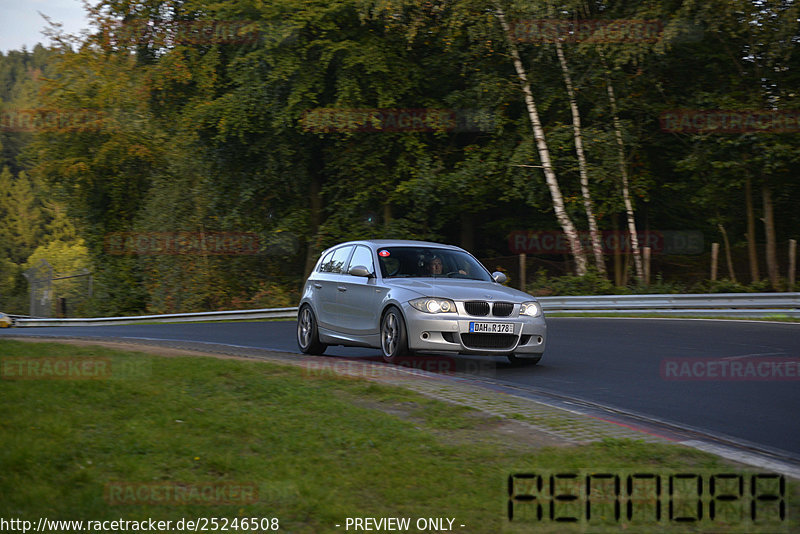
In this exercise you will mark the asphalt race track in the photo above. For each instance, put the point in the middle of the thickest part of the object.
(644, 366)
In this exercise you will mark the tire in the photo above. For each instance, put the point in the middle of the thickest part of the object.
(529, 362)
(394, 336)
(307, 332)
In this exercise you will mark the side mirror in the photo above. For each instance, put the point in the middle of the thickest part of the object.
(360, 270)
(499, 277)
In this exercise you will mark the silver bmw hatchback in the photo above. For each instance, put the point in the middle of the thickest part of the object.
(407, 296)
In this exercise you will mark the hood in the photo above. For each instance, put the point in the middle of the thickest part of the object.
(459, 289)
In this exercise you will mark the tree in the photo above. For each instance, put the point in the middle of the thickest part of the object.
(21, 213)
(544, 152)
(594, 232)
(756, 55)
(626, 194)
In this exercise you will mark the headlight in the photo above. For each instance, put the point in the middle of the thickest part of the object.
(531, 309)
(433, 305)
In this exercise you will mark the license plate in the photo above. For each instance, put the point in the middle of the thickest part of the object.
(491, 328)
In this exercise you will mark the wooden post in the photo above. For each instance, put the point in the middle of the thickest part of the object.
(646, 257)
(731, 272)
(617, 260)
(617, 236)
(714, 257)
(522, 269)
(625, 267)
(792, 263)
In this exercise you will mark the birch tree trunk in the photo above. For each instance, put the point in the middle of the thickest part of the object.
(594, 233)
(623, 170)
(544, 154)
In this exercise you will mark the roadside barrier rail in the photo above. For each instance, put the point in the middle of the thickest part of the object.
(233, 315)
(710, 305)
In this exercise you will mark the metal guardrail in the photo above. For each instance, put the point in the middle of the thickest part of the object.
(722, 304)
(715, 304)
(233, 315)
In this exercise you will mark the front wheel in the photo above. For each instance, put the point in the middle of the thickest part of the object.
(394, 337)
(307, 332)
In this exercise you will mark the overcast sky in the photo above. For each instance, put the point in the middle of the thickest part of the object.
(21, 24)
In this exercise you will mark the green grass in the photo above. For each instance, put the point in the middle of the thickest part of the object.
(319, 449)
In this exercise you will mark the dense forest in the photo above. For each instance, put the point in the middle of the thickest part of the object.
(298, 124)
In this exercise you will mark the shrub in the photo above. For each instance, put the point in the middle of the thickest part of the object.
(729, 286)
(592, 283)
(267, 295)
(659, 287)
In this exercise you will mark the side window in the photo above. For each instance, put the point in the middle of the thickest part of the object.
(362, 256)
(325, 264)
(335, 261)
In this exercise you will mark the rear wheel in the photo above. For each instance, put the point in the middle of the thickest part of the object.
(307, 332)
(394, 337)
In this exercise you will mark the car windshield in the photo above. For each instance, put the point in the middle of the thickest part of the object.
(428, 262)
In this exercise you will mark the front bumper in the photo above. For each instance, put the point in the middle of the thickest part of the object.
(449, 332)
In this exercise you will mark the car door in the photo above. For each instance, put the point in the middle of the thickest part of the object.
(328, 284)
(360, 297)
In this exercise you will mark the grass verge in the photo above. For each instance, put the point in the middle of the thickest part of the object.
(316, 450)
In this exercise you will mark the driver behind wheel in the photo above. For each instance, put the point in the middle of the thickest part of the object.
(435, 266)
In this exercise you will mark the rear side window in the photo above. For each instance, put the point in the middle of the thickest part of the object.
(335, 260)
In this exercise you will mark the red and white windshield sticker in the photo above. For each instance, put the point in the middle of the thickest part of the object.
(383, 253)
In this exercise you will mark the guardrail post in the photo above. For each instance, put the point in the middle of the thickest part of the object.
(646, 257)
(792, 263)
(522, 269)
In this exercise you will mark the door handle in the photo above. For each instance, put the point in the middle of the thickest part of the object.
(341, 288)
(318, 286)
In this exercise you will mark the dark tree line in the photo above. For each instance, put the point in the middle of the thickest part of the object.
(288, 128)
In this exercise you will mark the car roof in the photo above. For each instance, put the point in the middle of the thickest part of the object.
(378, 243)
